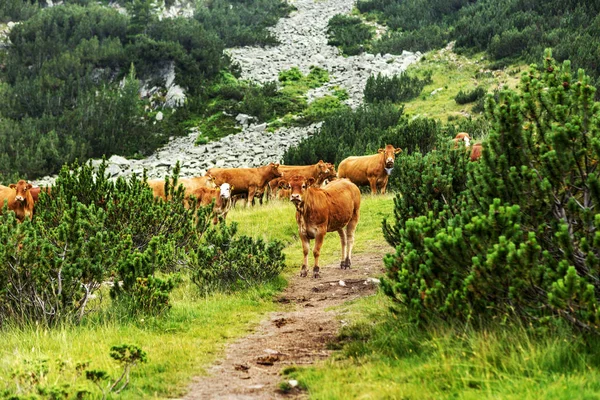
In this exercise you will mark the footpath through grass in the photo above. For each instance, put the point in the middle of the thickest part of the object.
(183, 342)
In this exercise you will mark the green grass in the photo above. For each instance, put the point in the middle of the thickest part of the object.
(452, 73)
(179, 345)
(387, 357)
(182, 343)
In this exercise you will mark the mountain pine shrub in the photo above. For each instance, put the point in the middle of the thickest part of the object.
(521, 240)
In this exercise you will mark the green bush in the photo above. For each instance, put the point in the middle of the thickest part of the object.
(522, 243)
(350, 34)
(92, 230)
(398, 88)
(470, 97)
(322, 107)
(229, 262)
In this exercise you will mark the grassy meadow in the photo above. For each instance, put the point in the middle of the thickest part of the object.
(182, 343)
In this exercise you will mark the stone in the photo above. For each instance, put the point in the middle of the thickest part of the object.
(120, 161)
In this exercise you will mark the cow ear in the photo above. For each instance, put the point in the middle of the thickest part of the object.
(321, 162)
(29, 186)
(380, 150)
(275, 165)
(310, 181)
(12, 186)
(398, 150)
(231, 188)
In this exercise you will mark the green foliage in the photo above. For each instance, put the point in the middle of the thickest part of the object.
(16, 10)
(508, 30)
(242, 23)
(363, 131)
(294, 80)
(322, 107)
(398, 88)
(66, 91)
(127, 356)
(520, 240)
(470, 97)
(231, 262)
(350, 34)
(91, 230)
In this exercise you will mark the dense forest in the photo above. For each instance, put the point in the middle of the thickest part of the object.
(71, 78)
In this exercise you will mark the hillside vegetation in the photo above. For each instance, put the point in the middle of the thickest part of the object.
(508, 31)
(71, 78)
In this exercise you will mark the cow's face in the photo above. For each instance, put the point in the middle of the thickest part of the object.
(332, 172)
(210, 181)
(21, 188)
(225, 191)
(389, 155)
(464, 136)
(283, 185)
(275, 168)
(298, 185)
(322, 167)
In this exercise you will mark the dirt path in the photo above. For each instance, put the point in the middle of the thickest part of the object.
(250, 369)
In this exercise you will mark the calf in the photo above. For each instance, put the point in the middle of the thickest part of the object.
(373, 170)
(221, 196)
(19, 199)
(335, 207)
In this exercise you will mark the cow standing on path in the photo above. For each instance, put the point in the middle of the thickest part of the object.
(19, 199)
(334, 208)
(371, 170)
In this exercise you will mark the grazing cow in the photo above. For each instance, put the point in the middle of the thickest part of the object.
(335, 208)
(246, 180)
(373, 170)
(476, 151)
(190, 184)
(19, 199)
(221, 196)
(462, 136)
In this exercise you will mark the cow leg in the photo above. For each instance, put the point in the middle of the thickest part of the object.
(384, 184)
(317, 252)
(305, 250)
(343, 239)
(350, 228)
(373, 184)
(251, 192)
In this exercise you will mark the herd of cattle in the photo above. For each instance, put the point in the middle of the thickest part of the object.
(325, 200)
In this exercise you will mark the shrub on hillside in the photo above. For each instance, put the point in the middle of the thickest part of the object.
(91, 230)
(523, 243)
(348, 33)
(230, 262)
(471, 96)
(398, 88)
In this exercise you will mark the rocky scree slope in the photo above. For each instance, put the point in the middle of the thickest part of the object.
(302, 43)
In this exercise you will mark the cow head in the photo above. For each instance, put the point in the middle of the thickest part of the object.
(283, 185)
(225, 191)
(274, 168)
(298, 185)
(389, 155)
(21, 188)
(210, 181)
(464, 136)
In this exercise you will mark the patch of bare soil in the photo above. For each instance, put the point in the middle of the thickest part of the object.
(251, 367)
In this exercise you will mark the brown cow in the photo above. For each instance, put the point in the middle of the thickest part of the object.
(476, 151)
(19, 199)
(190, 184)
(319, 171)
(373, 170)
(35, 192)
(462, 137)
(245, 180)
(221, 196)
(318, 211)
